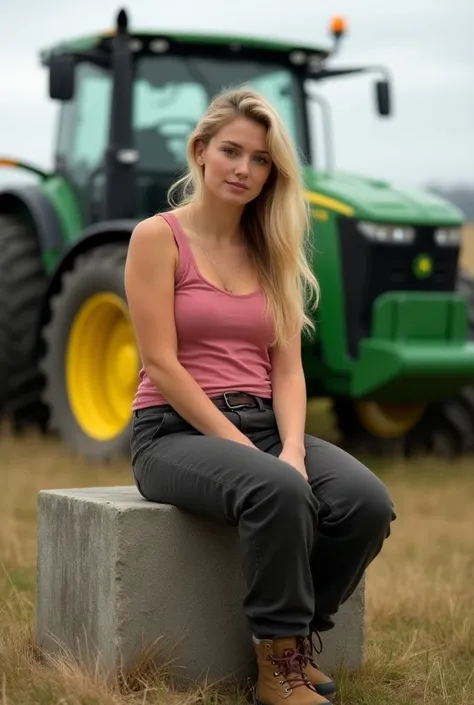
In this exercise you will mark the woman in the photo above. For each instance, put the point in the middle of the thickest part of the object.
(220, 292)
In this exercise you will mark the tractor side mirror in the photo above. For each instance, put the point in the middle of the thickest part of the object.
(382, 92)
(61, 77)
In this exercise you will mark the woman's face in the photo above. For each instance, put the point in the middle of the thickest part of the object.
(236, 161)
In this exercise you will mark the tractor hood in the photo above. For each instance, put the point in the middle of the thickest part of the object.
(371, 199)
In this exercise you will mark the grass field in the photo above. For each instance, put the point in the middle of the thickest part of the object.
(420, 612)
(420, 631)
(467, 252)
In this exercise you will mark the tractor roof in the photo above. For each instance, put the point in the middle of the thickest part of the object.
(194, 42)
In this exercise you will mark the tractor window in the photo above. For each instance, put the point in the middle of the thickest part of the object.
(276, 83)
(276, 87)
(85, 122)
(170, 95)
(83, 131)
(167, 105)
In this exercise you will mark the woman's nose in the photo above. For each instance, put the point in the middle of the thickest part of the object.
(242, 167)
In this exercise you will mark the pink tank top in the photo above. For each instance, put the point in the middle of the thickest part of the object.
(223, 338)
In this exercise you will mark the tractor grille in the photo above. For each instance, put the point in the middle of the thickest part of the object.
(371, 268)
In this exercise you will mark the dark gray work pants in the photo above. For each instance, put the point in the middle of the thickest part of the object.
(305, 545)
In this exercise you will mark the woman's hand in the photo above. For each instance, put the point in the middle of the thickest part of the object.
(294, 455)
(245, 441)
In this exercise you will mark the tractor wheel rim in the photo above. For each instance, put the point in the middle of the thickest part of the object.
(388, 420)
(102, 365)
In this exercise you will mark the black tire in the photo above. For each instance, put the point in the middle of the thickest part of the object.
(100, 270)
(6, 358)
(22, 285)
(446, 428)
(354, 438)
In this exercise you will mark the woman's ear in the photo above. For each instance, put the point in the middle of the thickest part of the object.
(199, 153)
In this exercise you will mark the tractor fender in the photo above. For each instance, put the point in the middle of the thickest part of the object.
(93, 236)
(30, 199)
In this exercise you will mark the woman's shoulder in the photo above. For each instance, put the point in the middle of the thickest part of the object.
(152, 238)
(153, 230)
(165, 222)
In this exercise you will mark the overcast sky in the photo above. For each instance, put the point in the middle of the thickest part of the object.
(427, 44)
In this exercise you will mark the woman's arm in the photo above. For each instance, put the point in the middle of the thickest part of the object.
(149, 283)
(289, 400)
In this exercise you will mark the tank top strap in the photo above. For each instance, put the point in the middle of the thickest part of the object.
(185, 254)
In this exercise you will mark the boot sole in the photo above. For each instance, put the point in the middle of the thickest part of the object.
(328, 692)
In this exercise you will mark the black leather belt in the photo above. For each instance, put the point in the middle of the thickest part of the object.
(235, 401)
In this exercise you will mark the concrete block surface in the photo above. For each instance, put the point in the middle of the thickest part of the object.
(117, 573)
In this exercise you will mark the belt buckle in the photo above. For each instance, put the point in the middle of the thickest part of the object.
(229, 405)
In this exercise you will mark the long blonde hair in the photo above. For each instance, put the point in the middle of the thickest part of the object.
(276, 223)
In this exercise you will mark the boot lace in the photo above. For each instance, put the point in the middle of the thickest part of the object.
(309, 647)
(291, 666)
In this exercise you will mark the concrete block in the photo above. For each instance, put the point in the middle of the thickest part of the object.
(117, 573)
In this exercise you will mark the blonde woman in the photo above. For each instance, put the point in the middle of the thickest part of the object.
(220, 292)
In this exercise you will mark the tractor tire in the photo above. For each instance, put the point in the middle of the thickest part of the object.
(446, 428)
(91, 359)
(355, 438)
(6, 359)
(22, 285)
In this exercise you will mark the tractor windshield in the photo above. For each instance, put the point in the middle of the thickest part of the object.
(171, 94)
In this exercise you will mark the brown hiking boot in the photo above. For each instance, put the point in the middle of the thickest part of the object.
(322, 683)
(281, 676)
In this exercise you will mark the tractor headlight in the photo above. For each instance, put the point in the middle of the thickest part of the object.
(448, 237)
(391, 234)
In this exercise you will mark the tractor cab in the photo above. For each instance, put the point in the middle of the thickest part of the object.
(129, 100)
(171, 82)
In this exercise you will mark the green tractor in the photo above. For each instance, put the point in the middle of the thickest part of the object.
(391, 346)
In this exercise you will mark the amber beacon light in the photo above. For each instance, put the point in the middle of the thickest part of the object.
(338, 26)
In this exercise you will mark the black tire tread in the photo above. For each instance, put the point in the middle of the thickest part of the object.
(354, 438)
(22, 282)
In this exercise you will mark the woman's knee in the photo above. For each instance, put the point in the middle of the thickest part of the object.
(375, 504)
(350, 492)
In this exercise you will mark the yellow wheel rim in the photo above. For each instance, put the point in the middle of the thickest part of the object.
(102, 365)
(388, 420)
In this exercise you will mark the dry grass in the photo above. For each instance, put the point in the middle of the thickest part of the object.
(467, 250)
(420, 593)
